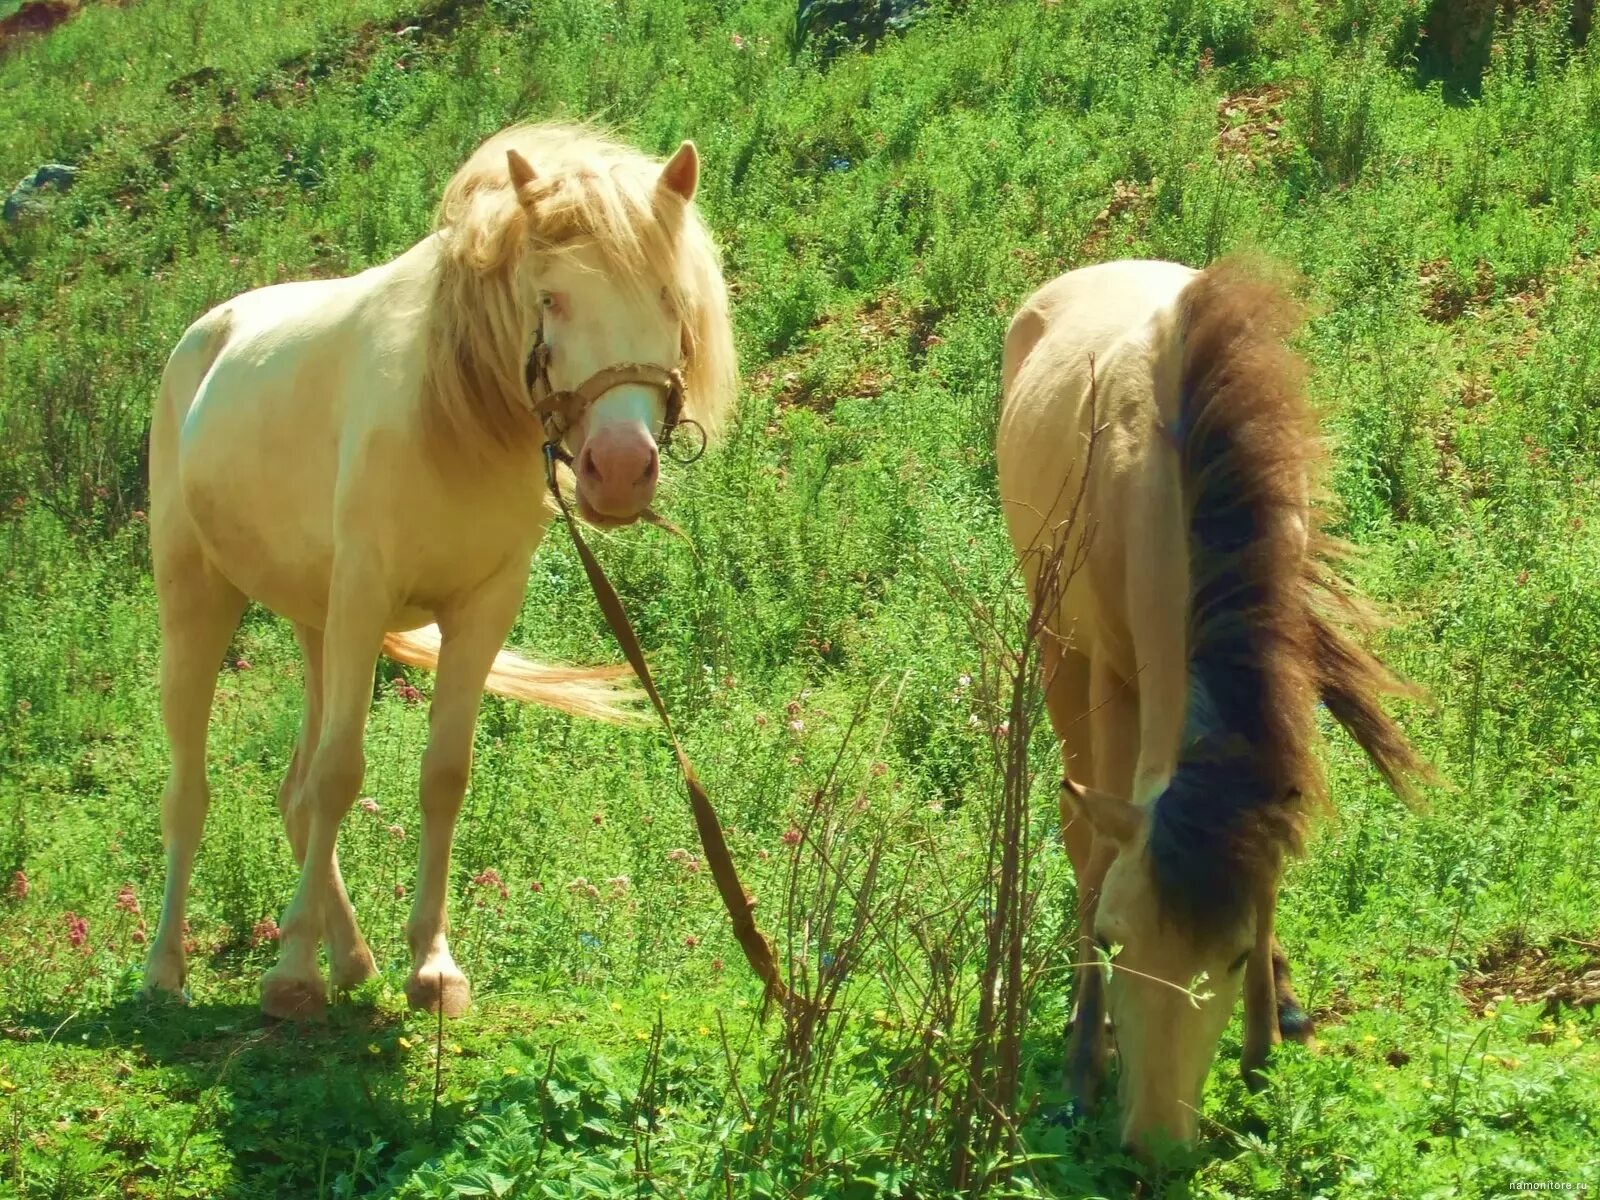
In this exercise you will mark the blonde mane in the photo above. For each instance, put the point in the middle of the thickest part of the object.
(590, 188)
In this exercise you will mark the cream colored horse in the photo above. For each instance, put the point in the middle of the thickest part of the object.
(1154, 412)
(360, 456)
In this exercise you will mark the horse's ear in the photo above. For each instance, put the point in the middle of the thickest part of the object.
(1112, 816)
(522, 175)
(681, 175)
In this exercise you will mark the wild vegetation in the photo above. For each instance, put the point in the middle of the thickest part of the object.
(837, 641)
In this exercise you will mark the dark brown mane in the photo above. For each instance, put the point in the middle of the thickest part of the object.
(1265, 608)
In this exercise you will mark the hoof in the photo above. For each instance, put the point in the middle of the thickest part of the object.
(1295, 1024)
(163, 976)
(164, 986)
(288, 999)
(439, 990)
(353, 970)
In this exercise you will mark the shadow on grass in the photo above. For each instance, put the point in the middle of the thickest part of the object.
(295, 1108)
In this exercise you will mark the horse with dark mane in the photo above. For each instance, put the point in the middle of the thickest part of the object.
(1155, 436)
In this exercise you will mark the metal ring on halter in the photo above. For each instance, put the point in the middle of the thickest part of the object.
(669, 441)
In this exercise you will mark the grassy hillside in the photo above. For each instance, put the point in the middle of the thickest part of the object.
(881, 213)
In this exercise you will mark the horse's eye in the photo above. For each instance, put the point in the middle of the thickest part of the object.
(1239, 962)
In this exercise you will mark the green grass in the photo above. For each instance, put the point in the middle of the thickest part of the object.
(881, 216)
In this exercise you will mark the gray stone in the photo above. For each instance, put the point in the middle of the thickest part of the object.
(25, 196)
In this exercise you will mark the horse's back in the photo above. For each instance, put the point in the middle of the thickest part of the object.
(1089, 311)
(1093, 354)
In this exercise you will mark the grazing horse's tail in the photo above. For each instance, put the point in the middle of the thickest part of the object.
(599, 693)
(1350, 679)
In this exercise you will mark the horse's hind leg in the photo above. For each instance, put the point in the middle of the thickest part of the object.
(199, 612)
(349, 961)
(293, 986)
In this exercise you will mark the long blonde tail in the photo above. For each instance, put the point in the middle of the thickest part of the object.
(599, 693)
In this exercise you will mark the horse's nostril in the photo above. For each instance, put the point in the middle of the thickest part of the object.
(587, 468)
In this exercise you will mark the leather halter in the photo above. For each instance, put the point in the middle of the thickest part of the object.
(559, 411)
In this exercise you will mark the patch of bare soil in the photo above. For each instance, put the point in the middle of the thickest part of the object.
(1448, 295)
(1566, 974)
(33, 19)
(1250, 126)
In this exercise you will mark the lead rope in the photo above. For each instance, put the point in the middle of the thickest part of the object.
(739, 903)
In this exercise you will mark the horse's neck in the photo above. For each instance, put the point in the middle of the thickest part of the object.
(402, 288)
(391, 304)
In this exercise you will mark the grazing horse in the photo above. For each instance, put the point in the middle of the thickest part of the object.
(363, 457)
(1157, 465)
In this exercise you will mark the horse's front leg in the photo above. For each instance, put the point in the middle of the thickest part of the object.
(1271, 1010)
(471, 636)
(356, 615)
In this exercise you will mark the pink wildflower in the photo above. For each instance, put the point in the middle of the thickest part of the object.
(736, 41)
(536, 886)
(879, 770)
(368, 805)
(791, 836)
(127, 901)
(691, 941)
(598, 819)
(77, 931)
(797, 727)
(761, 720)
(619, 886)
(266, 930)
(137, 937)
(397, 832)
(399, 891)
(716, 964)
(490, 878)
(241, 664)
(19, 885)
